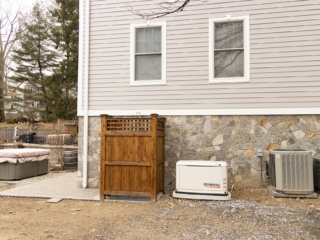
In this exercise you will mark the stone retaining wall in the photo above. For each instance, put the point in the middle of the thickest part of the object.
(234, 139)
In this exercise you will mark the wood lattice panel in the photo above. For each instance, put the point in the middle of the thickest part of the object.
(132, 156)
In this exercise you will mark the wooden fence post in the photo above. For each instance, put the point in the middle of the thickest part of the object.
(154, 134)
(103, 154)
(164, 154)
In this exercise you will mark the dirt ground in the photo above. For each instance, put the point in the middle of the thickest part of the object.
(251, 214)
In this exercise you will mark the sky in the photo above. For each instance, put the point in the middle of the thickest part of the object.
(25, 4)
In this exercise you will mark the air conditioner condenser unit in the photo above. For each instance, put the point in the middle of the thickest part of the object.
(206, 180)
(291, 173)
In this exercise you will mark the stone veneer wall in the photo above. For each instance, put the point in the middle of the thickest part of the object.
(234, 139)
(93, 152)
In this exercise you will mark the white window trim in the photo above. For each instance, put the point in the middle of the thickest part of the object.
(163, 80)
(246, 44)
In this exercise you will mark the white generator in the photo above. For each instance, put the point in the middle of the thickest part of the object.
(206, 180)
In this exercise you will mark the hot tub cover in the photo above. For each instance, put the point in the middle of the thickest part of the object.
(19, 155)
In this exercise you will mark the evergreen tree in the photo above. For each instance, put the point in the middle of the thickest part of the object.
(35, 60)
(65, 76)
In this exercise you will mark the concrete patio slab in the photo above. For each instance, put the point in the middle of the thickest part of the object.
(64, 187)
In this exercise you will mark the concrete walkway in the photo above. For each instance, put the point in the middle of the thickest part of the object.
(63, 187)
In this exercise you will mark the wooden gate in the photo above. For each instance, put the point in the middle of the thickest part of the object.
(132, 156)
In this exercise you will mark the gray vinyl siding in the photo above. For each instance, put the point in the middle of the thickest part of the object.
(284, 45)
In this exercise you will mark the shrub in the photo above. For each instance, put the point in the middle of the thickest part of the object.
(14, 120)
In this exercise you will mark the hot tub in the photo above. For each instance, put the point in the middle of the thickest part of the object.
(23, 163)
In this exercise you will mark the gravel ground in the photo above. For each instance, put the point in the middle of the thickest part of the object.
(235, 219)
(251, 214)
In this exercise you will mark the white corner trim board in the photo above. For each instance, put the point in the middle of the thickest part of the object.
(80, 56)
(191, 112)
(84, 36)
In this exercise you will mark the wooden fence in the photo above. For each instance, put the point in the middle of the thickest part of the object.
(132, 156)
(6, 135)
(67, 122)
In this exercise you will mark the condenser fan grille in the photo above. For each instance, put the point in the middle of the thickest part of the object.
(295, 171)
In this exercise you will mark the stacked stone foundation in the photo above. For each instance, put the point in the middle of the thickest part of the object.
(234, 139)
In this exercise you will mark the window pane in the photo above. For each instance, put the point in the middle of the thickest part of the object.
(140, 34)
(228, 64)
(222, 34)
(140, 46)
(228, 35)
(148, 67)
(157, 39)
(238, 34)
(148, 40)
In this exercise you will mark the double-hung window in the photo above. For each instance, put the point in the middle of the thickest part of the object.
(148, 54)
(229, 49)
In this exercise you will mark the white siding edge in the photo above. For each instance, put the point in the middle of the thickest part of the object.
(178, 112)
(80, 56)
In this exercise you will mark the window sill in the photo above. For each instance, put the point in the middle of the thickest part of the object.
(229, 80)
(147, 82)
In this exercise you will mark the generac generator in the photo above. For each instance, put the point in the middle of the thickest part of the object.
(205, 180)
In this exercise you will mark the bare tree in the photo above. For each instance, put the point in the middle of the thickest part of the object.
(8, 28)
(164, 8)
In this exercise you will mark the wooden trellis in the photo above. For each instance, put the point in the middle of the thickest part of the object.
(132, 156)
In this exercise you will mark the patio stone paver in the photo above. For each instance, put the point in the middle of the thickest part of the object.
(60, 187)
